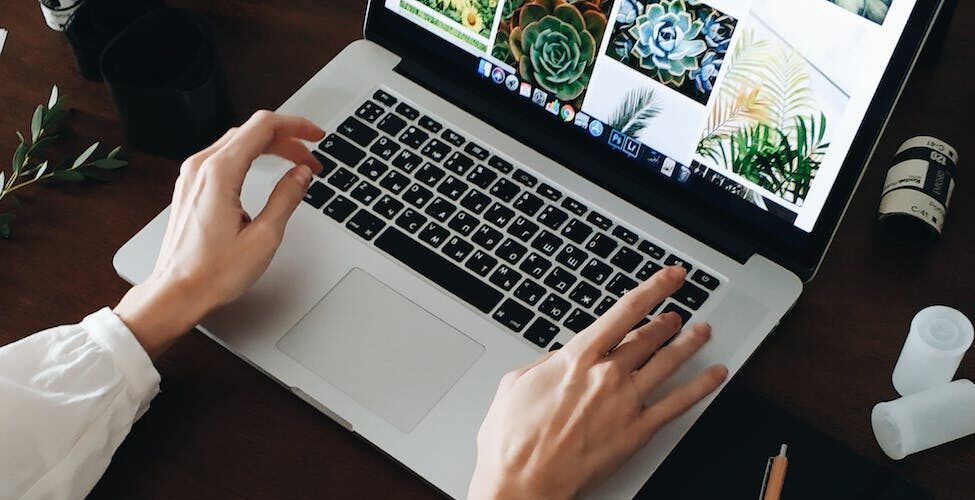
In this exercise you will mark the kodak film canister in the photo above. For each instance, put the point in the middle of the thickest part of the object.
(917, 192)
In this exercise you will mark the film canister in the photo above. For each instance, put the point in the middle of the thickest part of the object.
(918, 189)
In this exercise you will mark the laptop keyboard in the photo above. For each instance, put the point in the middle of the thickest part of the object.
(508, 243)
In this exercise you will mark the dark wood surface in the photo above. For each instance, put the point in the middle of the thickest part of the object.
(220, 429)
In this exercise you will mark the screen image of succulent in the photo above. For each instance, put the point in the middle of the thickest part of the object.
(553, 43)
(666, 41)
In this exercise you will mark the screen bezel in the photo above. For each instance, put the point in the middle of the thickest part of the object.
(738, 229)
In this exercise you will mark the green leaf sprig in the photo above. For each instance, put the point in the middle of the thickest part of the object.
(29, 168)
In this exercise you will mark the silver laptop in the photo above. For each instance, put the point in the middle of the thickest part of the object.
(499, 172)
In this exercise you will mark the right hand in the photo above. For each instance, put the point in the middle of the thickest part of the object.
(567, 421)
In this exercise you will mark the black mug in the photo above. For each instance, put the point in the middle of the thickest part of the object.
(95, 22)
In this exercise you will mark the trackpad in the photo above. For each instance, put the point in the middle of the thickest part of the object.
(384, 351)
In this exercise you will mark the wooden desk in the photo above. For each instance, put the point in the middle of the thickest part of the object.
(220, 429)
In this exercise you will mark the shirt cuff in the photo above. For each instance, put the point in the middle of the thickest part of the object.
(131, 359)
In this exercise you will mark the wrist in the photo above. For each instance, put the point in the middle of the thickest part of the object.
(158, 313)
(509, 486)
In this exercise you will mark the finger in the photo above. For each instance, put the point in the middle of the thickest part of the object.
(667, 360)
(637, 347)
(285, 197)
(295, 151)
(256, 135)
(682, 398)
(219, 143)
(612, 326)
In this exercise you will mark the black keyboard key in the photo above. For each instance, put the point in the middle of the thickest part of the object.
(547, 243)
(511, 251)
(369, 111)
(411, 220)
(500, 164)
(505, 189)
(407, 161)
(435, 150)
(452, 188)
(429, 174)
(499, 215)
(627, 259)
(328, 164)
(529, 292)
(413, 137)
(365, 224)
(651, 249)
(441, 209)
(513, 315)
(691, 295)
(384, 98)
(359, 132)
(318, 194)
(407, 111)
(343, 179)
(464, 223)
(387, 207)
(475, 201)
(560, 280)
(505, 277)
(487, 237)
(552, 217)
(704, 279)
(482, 176)
(481, 263)
(457, 249)
(571, 257)
(596, 271)
(626, 235)
(554, 306)
(577, 231)
(620, 284)
(459, 163)
(528, 203)
(524, 178)
(574, 206)
(391, 124)
(340, 208)
(365, 193)
(599, 220)
(453, 137)
(555, 346)
(342, 150)
(430, 124)
(385, 148)
(438, 269)
(417, 195)
(523, 229)
(585, 294)
(602, 245)
(535, 265)
(673, 260)
(372, 168)
(578, 321)
(648, 270)
(684, 314)
(549, 192)
(434, 234)
(476, 151)
(604, 305)
(395, 181)
(541, 332)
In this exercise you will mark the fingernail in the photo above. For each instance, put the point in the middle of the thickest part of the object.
(303, 174)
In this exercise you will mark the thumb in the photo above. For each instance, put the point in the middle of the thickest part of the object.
(285, 197)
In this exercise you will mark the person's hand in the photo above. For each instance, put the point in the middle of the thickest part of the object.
(213, 251)
(569, 420)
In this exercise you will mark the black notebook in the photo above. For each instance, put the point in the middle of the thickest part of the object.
(725, 453)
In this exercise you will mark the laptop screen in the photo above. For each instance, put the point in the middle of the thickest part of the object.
(759, 98)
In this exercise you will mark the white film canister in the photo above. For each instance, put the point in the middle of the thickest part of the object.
(938, 340)
(918, 188)
(57, 12)
(925, 419)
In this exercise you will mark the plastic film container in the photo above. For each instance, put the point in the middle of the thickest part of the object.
(925, 419)
(934, 348)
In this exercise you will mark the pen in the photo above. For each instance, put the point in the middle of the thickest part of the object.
(776, 475)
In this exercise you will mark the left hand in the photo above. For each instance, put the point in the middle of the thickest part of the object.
(213, 251)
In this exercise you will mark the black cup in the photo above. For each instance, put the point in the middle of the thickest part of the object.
(95, 23)
(162, 75)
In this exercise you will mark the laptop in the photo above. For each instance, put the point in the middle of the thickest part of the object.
(497, 173)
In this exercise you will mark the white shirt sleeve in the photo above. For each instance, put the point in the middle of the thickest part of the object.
(68, 397)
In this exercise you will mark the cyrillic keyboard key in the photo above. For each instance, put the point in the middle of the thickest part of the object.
(599, 220)
(453, 137)
(585, 294)
(342, 150)
(648, 270)
(626, 259)
(435, 150)
(554, 306)
(500, 164)
(359, 132)
(604, 305)
(541, 332)
(411, 220)
(626, 235)
(387, 207)
(620, 284)
(328, 165)
(505, 277)
(602, 245)
(574, 206)
(578, 321)
(365, 224)
(552, 217)
(535, 265)
(429, 174)
(343, 179)
(673, 260)
(457, 249)
(513, 315)
(549, 192)
(417, 195)
(407, 161)
(547, 243)
(372, 168)
(433, 234)
(407, 111)
(430, 124)
(571, 257)
(511, 251)
(577, 231)
(528, 203)
(384, 97)
(385, 148)
(475, 201)
(525, 178)
(364, 193)
(651, 249)
(481, 263)
(391, 124)
(685, 315)
(413, 137)
(459, 163)
(596, 271)
(440, 209)
(523, 229)
(318, 194)
(463, 223)
(452, 188)
(395, 181)
(499, 215)
(487, 237)
(691, 296)
(529, 292)
(476, 151)
(505, 189)
(340, 208)
(560, 280)
(482, 177)
(369, 111)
